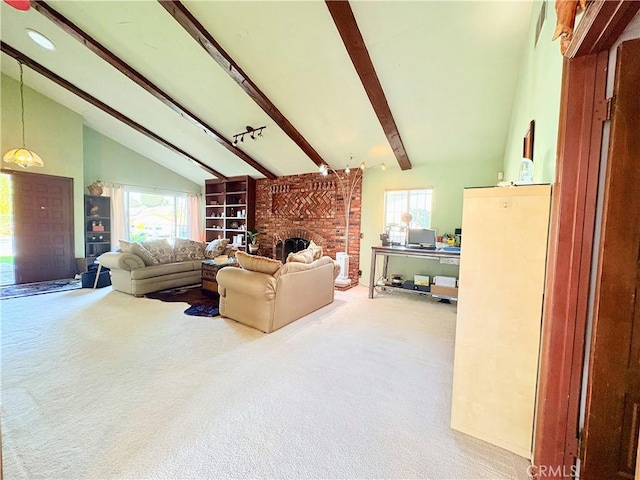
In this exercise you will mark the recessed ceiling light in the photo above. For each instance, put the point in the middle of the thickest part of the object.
(41, 40)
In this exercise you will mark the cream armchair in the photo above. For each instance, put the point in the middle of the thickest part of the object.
(268, 301)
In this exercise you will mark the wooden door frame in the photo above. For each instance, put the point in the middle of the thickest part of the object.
(582, 113)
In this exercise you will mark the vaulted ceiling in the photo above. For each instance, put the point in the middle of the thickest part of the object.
(446, 71)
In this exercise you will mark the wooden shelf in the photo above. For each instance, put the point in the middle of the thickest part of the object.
(96, 247)
(233, 193)
(389, 288)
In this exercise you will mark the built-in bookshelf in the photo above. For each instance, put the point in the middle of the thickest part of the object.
(230, 207)
(97, 227)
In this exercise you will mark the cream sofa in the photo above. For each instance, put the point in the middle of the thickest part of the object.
(268, 301)
(130, 275)
(146, 267)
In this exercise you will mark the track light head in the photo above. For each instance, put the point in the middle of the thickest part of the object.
(249, 130)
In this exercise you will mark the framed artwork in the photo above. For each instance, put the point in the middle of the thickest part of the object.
(527, 147)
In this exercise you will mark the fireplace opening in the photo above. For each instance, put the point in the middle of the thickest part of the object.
(290, 245)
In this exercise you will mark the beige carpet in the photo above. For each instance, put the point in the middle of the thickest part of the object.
(98, 384)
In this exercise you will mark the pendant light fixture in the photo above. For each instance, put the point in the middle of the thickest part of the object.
(21, 156)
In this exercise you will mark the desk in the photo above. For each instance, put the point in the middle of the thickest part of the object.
(387, 252)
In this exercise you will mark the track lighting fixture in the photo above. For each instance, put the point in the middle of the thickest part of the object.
(249, 130)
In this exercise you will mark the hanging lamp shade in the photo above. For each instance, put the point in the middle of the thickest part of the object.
(22, 156)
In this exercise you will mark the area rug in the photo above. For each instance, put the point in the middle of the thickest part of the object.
(38, 288)
(203, 303)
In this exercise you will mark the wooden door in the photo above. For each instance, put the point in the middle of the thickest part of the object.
(43, 227)
(613, 389)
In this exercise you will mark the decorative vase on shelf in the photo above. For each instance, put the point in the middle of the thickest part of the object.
(95, 188)
(254, 247)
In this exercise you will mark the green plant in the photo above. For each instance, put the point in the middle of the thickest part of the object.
(253, 235)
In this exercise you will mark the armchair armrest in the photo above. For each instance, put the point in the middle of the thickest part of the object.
(120, 261)
(246, 282)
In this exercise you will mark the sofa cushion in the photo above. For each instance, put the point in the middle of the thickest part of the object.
(160, 250)
(256, 263)
(215, 248)
(303, 256)
(292, 267)
(316, 249)
(185, 249)
(164, 269)
(139, 250)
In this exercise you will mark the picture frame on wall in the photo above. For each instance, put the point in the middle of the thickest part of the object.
(527, 147)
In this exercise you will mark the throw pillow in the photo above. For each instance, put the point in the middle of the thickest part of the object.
(160, 250)
(316, 249)
(216, 248)
(184, 250)
(139, 250)
(256, 263)
(303, 256)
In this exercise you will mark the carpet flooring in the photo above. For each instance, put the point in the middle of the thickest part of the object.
(97, 384)
(202, 302)
(28, 289)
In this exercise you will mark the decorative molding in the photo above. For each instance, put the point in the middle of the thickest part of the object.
(600, 26)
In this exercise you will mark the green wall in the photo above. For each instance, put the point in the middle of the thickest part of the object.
(537, 98)
(53, 132)
(447, 181)
(70, 149)
(109, 161)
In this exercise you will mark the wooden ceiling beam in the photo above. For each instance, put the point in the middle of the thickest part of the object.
(200, 34)
(345, 21)
(35, 66)
(70, 28)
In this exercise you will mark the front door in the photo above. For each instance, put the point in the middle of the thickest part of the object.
(613, 390)
(43, 227)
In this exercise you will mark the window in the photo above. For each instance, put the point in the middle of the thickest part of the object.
(153, 216)
(398, 202)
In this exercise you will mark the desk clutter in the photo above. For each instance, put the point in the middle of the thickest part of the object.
(439, 286)
(442, 285)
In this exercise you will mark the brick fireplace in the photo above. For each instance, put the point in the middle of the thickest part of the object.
(311, 207)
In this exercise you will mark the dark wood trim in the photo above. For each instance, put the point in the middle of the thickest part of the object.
(601, 25)
(35, 66)
(579, 142)
(582, 112)
(613, 390)
(108, 56)
(588, 181)
(354, 43)
(200, 34)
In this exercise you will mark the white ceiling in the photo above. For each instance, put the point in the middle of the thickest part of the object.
(448, 69)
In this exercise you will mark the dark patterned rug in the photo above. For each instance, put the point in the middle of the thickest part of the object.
(203, 303)
(27, 289)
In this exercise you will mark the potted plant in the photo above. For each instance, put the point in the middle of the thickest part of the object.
(253, 238)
